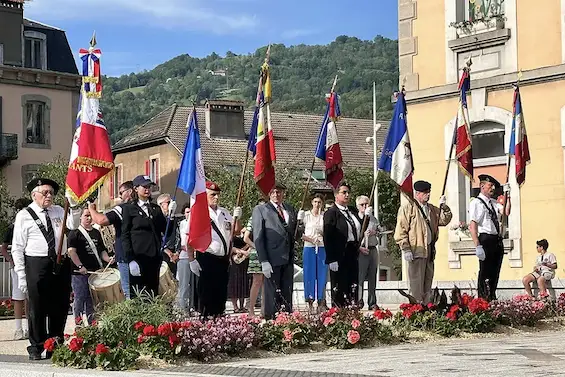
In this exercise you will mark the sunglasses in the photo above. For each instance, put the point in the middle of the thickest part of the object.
(46, 192)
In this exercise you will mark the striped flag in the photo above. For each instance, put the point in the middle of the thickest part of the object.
(396, 158)
(463, 148)
(519, 139)
(192, 181)
(328, 148)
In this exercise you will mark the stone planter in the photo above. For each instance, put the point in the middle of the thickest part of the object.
(480, 27)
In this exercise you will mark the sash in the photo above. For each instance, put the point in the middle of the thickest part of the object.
(224, 243)
(493, 216)
(427, 220)
(51, 253)
(91, 244)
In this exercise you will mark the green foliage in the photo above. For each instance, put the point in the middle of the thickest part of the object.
(6, 206)
(483, 322)
(301, 76)
(56, 170)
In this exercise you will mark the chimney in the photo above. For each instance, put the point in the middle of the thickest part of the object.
(12, 21)
(225, 119)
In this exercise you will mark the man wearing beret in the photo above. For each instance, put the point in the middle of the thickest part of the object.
(274, 225)
(212, 265)
(417, 230)
(37, 235)
(485, 232)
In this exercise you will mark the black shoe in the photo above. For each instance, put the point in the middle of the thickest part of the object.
(34, 356)
(373, 307)
(48, 355)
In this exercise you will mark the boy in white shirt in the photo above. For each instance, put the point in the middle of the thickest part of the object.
(544, 270)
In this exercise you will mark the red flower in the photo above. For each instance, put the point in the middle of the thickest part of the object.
(465, 299)
(478, 305)
(430, 306)
(94, 323)
(451, 316)
(76, 344)
(332, 311)
(149, 330)
(101, 349)
(140, 338)
(67, 336)
(355, 323)
(165, 329)
(382, 314)
(353, 336)
(139, 325)
(173, 340)
(50, 344)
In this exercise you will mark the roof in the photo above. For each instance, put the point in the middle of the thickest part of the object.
(295, 138)
(32, 23)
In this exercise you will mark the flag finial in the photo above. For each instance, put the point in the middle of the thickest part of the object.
(520, 75)
(93, 40)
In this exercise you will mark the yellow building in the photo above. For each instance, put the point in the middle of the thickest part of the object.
(436, 38)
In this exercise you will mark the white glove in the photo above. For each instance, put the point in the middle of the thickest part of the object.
(300, 216)
(237, 212)
(408, 256)
(172, 207)
(267, 269)
(195, 267)
(334, 266)
(442, 200)
(506, 188)
(369, 211)
(134, 268)
(22, 285)
(480, 253)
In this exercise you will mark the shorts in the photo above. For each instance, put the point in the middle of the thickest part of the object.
(17, 295)
(546, 274)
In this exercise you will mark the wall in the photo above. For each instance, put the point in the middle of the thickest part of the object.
(62, 122)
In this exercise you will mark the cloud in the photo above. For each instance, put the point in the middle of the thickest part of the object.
(193, 15)
(297, 33)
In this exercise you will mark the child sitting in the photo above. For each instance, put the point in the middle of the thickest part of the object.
(544, 270)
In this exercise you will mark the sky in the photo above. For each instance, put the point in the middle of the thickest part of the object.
(139, 34)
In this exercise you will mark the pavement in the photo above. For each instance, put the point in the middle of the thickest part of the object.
(516, 355)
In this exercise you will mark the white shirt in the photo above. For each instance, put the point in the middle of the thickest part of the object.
(479, 214)
(285, 213)
(548, 258)
(314, 228)
(144, 206)
(28, 238)
(350, 235)
(223, 220)
(183, 231)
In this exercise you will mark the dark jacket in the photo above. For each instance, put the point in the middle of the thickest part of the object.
(336, 232)
(142, 235)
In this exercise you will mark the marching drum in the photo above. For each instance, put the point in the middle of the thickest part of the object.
(167, 286)
(105, 286)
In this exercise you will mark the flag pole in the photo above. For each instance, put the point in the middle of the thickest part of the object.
(504, 217)
(304, 195)
(454, 138)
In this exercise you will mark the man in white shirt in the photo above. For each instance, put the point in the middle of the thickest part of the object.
(212, 265)
(37, 235)
(485, 232)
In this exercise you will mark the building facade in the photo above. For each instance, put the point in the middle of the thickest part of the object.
(502, 38)
(39, 93)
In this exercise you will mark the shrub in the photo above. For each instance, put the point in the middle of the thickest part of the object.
(285, 331)
(520, 310)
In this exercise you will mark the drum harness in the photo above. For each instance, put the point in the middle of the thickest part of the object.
(91, 244)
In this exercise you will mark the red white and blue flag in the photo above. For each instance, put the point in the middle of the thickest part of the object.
(463, 148)
(328, 148)
(91, 159)
(192, 180)
(396, 158)
(519, 139)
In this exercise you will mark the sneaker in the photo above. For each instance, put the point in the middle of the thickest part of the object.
(19, 335)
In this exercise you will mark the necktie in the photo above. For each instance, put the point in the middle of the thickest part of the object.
(352, 223)
(50, 235)
(281, 213)
(494, 218)
(147, 209)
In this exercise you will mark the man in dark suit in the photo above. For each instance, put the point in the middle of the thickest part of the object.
(274, 224)
(143, 227)
(342, 229)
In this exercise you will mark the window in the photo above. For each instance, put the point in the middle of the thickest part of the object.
(383, 274)
(116, 180)
(35, 122)
(1, 54)
(29, 171)
(472, 10)
(35, 50)
(152, 168)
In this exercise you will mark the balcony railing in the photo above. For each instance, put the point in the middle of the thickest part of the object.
(8, 146)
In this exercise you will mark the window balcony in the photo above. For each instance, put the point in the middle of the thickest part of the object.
(8, 148)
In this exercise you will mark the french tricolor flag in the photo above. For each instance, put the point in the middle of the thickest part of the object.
(328, 149)
(191, 180)
(396, 158)
(519, 140)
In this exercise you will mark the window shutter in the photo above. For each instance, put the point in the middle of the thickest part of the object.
(111, 185)
(147, 167)
(119, 172)
(157, 171)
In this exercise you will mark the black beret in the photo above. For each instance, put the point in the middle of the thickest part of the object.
(488, 178)
(279, 186)
(36, 182)
(422, 186)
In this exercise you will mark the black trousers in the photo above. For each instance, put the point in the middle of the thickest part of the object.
(49, 300)
(212, 285)
(150, 268)
(345, 280)
(489, 271)
(278, 290)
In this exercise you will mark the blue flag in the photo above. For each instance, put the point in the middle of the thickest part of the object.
(187, 173)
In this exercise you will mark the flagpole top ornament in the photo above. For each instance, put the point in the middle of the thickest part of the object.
(468, 64)
(93, 41)
(520, 74)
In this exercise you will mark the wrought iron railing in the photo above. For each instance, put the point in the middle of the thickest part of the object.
(8, 146)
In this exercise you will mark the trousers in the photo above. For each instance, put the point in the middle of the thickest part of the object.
(315, 273)
(83, 299)
(148, 282)
(489, 269)
(186, 297)
(421, 275)
(368, 264)
(345, 280)
(212, 284)
(278, 290)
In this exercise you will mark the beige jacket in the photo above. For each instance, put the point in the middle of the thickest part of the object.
(411, 229)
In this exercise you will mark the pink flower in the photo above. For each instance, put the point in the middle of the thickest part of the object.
(287, 335)
(355, 323)
(353, 336)
(329, 321)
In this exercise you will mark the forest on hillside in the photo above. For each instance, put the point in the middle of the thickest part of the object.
(301, 76)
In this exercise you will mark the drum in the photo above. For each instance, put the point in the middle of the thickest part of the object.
(167, 286)
(105, 287)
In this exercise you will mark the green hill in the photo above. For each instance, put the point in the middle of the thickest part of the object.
(301, 76)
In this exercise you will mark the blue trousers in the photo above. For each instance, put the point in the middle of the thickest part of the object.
(315, 273)
(123, 267)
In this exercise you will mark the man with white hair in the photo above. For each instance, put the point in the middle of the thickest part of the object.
(368, 253)
(37, 230)
(168, 207)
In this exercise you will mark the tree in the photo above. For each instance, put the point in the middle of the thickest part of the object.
(57, 171)
(6, 206)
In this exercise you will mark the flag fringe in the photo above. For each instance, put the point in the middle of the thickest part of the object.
(94, 162)
(90, 191)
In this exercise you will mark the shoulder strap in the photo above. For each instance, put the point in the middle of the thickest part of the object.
(224, 243)
(39, 223)
(424, 216)
(91, 243)
(493, 216)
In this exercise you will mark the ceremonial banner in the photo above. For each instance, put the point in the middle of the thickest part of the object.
(519, 139)
(328, 149)
(265, 155)
(91, 159)
(463, 148)
(192, 180)
(396, 158)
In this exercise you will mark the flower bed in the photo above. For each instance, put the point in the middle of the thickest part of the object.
(127, 330)
(6, 308)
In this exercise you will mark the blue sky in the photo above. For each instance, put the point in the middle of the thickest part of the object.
(140, 34)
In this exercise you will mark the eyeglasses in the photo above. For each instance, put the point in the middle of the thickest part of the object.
(46, 192)
(363, 204)
(123, 192)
